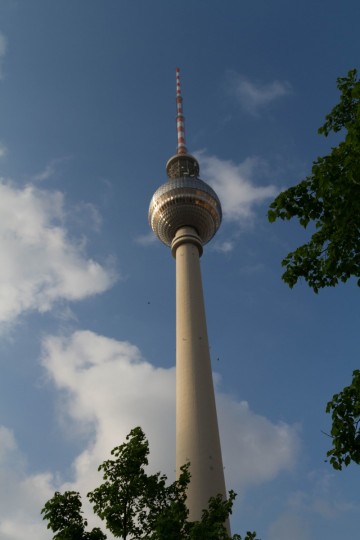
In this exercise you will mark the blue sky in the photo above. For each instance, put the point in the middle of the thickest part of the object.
(87, 329)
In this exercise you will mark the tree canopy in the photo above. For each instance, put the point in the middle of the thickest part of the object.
(345, 432)
(138, 506)
(63, 512)
(330, 199)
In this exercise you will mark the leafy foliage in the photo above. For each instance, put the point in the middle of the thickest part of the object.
(211, 525)
(63, 512)
(132, 503)
(345, 411)
(329, 198)
(138, 506)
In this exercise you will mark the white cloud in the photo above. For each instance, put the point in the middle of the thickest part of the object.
(320, 503)
(255, 96)
(146, 239)
(224, 247)
(40, 264)
(322, 498)
(7, 444)
(110, 387)
(3, 47)
(49, 170)
(235, 185)
(255, 449)
(47, 173)
(85, 216)
(107, 388)
(3, 150)
(21, 496)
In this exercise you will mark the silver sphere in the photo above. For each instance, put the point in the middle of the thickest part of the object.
(186, 201)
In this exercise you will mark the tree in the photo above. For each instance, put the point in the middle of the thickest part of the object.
(63, 513)
(330, 199)
(138, 506)
(345, 432)
(132, 503)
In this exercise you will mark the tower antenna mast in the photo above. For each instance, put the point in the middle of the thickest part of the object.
(180, 120)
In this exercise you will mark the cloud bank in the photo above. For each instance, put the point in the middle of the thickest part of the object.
(40, 263)
(107, 388)
(21, 495)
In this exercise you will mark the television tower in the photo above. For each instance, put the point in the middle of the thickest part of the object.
(185, 214)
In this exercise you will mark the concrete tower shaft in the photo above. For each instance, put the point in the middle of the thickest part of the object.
(197, 434)
(185, 213)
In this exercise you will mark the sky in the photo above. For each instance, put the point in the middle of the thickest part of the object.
(87, 293)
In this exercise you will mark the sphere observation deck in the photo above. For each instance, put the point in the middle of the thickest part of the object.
(184, 201)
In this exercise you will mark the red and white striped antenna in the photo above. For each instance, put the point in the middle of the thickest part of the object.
(180, 124)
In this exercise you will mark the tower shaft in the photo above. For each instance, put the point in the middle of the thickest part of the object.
(197, 433)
